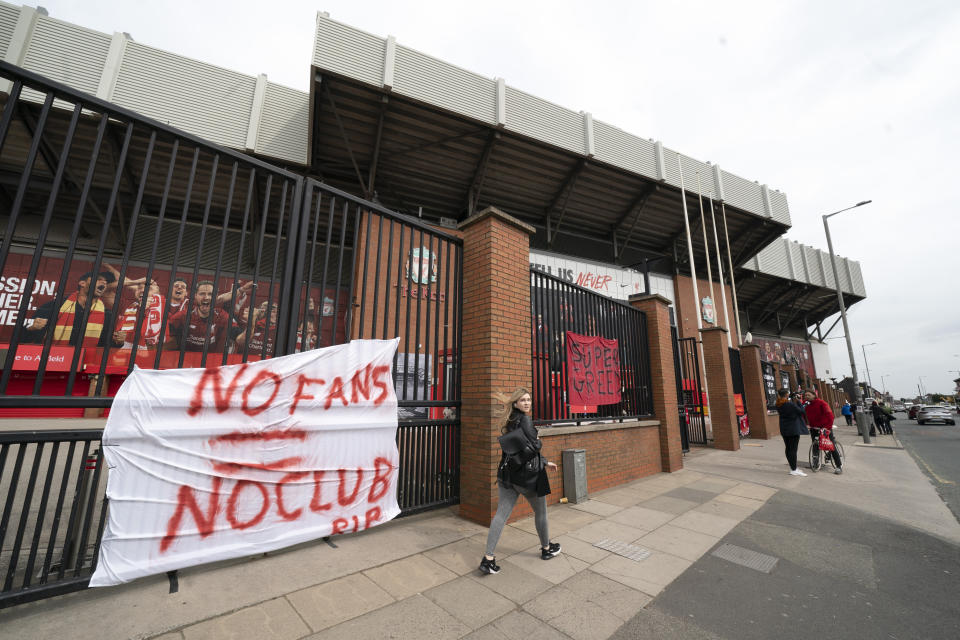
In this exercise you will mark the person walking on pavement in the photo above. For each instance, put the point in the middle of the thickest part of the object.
(887, 418)
(819, 416)
(792, 426)
(879, 417)
(518, 475)
(847, 412)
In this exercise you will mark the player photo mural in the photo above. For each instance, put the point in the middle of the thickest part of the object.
(786, 351)
(135, 319)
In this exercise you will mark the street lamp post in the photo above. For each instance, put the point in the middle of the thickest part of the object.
(861, 422)
(867, 364)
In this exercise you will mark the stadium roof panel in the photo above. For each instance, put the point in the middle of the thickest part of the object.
(429, 138)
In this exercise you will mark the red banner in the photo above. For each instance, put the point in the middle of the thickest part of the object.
(28, 357)
(593, 370)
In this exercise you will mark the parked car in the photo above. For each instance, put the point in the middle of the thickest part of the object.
(913, 412)
(934, 414)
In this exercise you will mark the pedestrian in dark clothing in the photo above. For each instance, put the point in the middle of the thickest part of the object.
(887, 418)
(529, 481)
(847, 412)
(879, 417)
(792, 426)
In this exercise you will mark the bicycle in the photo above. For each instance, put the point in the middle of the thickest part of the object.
(817, 459)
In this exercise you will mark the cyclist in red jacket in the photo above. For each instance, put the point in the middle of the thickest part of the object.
(819, 416)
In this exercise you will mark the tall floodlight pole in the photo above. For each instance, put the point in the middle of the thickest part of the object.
(693, 275)
(867, 364)
(861, 422)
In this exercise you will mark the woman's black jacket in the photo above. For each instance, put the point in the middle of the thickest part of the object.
(520, 420)
(791, 419)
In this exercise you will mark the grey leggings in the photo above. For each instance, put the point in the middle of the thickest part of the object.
(506, 499)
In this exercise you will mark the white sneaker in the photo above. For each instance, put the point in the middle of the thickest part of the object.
(797, 472)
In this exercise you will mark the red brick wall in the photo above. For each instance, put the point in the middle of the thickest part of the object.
(762, 425)
(686, 310)
(716, 366)
(614, 457)
(394, 297)
(663, 378)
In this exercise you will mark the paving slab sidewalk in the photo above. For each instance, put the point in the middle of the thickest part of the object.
(882, 478)
(417, 576)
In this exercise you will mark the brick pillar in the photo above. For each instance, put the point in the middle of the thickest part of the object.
(754, 390)
(496, 347)
(663, 377)
(723, 415)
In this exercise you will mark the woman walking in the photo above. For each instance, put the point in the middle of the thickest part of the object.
(521, 474)
(792, 426)
(847, 412)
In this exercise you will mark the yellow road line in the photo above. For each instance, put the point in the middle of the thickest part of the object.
(932, 472)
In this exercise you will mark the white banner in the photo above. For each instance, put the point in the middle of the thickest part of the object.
(210, 464)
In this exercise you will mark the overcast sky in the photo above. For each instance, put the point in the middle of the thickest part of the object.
(830, 102)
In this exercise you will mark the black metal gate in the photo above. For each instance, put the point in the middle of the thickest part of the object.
(739, 397)
(385, 275)
(117, 229)
(53, 512)
(686, 362)
(557, 306)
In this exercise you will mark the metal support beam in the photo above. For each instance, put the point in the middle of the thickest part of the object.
(795, 308)
(438, 143)
(824, 336)
(694, 222)
(51, 159)
(635, 208)
(343, 133)
(779, 307)
(826, 305)
(127, 175)
(747, 245)
(770, 295)
(480, 173)
(256, 213)
(567, 188)
(372, 175)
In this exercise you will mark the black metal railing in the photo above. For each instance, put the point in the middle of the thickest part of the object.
(54, 507)
(558, 306)
(739, 395)
(429, 465)
(405, 281)
(127, 242)
(686, 361)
